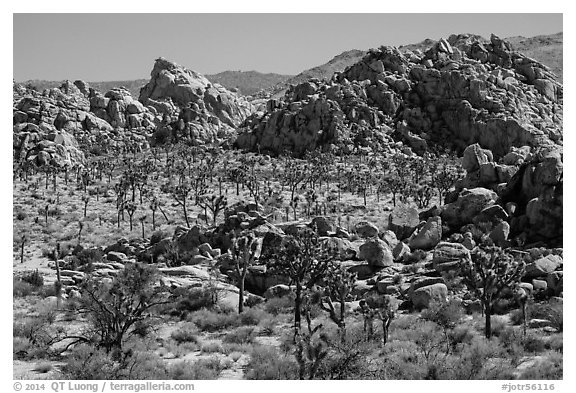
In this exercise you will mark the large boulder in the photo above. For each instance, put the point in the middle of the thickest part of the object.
(429, 236)
(377, 253)
(423, 296)
(543, 266)
(365, 229)
(448, 256)
(474, 157)
(467, 206)
(403, 220)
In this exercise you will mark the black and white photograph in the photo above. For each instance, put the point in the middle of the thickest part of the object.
(286, 196)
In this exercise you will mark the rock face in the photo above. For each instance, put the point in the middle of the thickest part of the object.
(537, 191)
(188, 89)
(460, 92)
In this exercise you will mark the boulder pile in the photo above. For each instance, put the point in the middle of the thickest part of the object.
(459, 92)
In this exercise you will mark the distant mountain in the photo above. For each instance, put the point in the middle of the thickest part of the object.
(546, 49)
(247, 82)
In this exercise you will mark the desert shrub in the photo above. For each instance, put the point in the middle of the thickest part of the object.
(267, 363)
(88, 256)
(516, 317)
(86, 362)
(157, 236)
(267, 326)
(252, 316)
(212, 347)
(21, 288)
(21, 347)
(212, 321)
(445, 314)
(185, 334)
(478, 360)
(556, 343)
(21, 216)
(43, 367)
(460, 335)
(278, 305)
(552, 312)
(549, 368)
(203, 369)
(499, 323)
(190, 300)
(533, 343)
(235, 356)
(33, 278)
(241, 335)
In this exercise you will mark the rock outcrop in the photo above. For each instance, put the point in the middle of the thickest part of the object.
(459, 92)
(192, 108)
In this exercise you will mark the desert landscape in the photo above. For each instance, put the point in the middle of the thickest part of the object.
(395, 213)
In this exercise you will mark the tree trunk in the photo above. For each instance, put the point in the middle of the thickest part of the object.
(297, 306)
(488, 326)
(241, 294)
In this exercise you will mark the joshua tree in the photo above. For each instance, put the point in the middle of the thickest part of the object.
(142, 219)
(339, 286)
(58, 283)
(488, 273)
(154, 204)
(86, 200)
(23, 241)
(46, 213)
(115, 309)
(304, 259)
(180, 194)
(131, 209)
(294, 174)
(80, 227)
(245, 251)
(215, 204)
(446, 170)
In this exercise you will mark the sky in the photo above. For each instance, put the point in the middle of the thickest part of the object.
(104, 47)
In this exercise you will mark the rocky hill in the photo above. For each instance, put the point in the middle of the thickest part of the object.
(247, 82)
(50, 126)
(460, 91)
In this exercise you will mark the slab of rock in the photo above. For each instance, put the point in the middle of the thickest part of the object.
(448, 256)
(115, 256)
(423, 296)
(403, 220)
(377, 253)
(182, 271)
(429, 236)
(542, 266)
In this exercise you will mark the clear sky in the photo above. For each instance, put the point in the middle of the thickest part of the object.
(101, 47)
